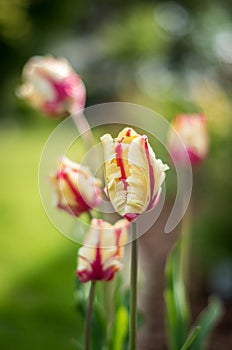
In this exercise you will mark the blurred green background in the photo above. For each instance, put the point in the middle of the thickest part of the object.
(172, 57)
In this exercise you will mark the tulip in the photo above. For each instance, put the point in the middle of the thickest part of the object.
(100, 257)
(192, 130)
(133, 175)
(77, 191)
(52, 87)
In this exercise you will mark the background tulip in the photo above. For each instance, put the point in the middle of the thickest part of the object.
(192, 130)
(133, 175)
(51, 86)
(101, 255)
(77, 191)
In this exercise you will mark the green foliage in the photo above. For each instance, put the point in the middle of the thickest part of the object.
(135, 34)
(191, 338)
(177, 309)
(117, 315)
(207, 321)
(37, 264)
(121, 328)
(109, 325)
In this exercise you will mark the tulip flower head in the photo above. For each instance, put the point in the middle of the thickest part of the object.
(101, 255)
(52, 87)
(77, 191)
(192, 130)
(133, 174)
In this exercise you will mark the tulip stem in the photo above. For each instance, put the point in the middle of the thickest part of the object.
(185, 244)
(133, 298)
(88, 315)
(84, 129)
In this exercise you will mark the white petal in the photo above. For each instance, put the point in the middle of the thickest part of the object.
(108, 147)
(139, 180)
(113, 262)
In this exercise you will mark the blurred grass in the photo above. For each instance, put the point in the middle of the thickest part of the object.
(37, 264)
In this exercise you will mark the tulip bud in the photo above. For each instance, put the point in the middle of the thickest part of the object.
(133, 175)
(101, 255)
(192, 130)
(51, 86)
(77, 191)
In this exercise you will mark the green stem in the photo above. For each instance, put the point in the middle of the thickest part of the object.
(109, 295)
(88, 315)
(184, 269)
(84, 129)
(133, 299)
(185, 245)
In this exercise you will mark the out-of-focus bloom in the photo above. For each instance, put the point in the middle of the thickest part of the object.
(192, 130)
(101, 255)
(51, 86)
(77, 191)
(133, 175)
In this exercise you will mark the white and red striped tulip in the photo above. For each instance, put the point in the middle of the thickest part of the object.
(51, 86)
(100, 257)
(193, 132)
(77, 191)
(133, 174)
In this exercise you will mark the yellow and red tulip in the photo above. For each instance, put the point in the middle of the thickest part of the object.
(100, 257)
(77, 191)
(51, 86)
(192, 130)
(133, 174)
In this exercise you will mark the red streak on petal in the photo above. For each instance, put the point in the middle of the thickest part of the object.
(119, 159)
(118, 233)
(151, 174)
(68, 87)
(83, 275)
(131, 216)
(97, 267)
(194, 157)
(81, 205)
(180, 157)
(118, 151)
(97, 271)
(60, 88)
(128, 133)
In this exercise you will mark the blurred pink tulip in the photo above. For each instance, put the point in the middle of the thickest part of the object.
(51, 86)
(192, 130)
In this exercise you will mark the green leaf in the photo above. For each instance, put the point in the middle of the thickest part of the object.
(191, 338)
(170, 319)
(98, 322)
(177, 308)
(121, 328)
(207, 321)
(98, 331)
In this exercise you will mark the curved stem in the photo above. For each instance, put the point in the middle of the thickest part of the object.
(84, 129)
(133, 299)
(88, 315)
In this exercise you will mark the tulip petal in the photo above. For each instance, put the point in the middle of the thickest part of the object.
(133, 175)
(51, 86)
(77, 191)
(101, 256)
(192, 130)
